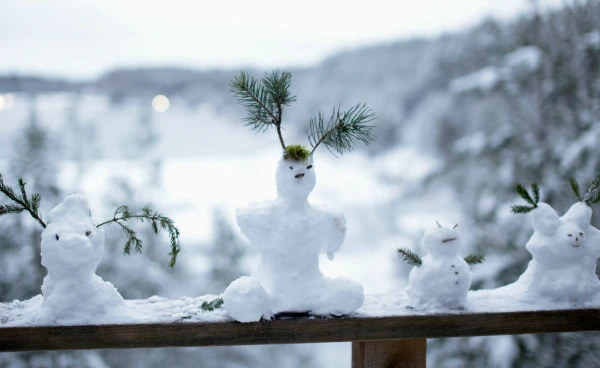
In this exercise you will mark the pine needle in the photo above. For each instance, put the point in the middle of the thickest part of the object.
(410, 257)
(343, 130)
(533, 201)
(157, 222)
(474, 259)
(575, 187)
(592, 195)
(22, 202)
(212, 305)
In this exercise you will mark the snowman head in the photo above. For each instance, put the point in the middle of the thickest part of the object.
(565, 235)
(295, 179)
(442, 241)
(70, 239)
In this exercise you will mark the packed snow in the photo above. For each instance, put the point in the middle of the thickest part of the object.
(444, 278)
(290, 234)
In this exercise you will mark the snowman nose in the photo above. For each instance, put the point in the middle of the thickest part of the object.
(448, 240)
(299, 176)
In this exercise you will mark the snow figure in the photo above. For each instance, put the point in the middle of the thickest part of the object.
(442, 278)
(72, 248)
(289, 232)
(564, 251)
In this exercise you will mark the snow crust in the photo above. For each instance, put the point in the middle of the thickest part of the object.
(72, 248)
(289, 234)
(444, 278)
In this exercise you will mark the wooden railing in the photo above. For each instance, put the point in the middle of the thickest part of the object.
(376, 342)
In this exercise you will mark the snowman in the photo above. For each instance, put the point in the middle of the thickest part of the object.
(564, 251)
(289, 232)
(442, 278)
(72, 248)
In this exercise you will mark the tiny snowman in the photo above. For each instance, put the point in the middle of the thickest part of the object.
(442, 278)
(564, 250)
(290, 232)
(71, 249)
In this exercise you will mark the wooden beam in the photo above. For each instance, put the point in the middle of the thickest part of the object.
(389, 354)
(291, 331)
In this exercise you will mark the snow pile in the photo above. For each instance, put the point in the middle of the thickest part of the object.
(564, 250)
(289, 234)
(444, 278)
(72, 248)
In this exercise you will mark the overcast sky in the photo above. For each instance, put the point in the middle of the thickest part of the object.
(83, 38)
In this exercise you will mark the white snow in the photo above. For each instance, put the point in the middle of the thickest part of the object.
(290, 234)
(484, 80)
(444, 278)
(72, 248)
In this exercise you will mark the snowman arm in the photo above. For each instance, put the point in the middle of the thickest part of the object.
(472, 259)
(410, 257)
(337, 229)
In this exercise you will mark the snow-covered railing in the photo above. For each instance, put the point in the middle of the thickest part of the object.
(397, 341)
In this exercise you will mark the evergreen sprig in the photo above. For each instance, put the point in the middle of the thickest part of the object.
(212, 305)
(410, 257)
(22, 202)
(157, 221)
(575, 187)
(264, 99)
(592, 195)
(343, 130)
(532, 200)
(472, 259)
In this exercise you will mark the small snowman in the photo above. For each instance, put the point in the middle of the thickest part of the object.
(290, 232)
(442, 278)
(564, 250)
(71, 249)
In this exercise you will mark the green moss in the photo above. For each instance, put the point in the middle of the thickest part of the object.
(296, 152)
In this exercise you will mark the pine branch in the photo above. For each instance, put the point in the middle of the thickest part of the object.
(264, 100)
(211, 306)
(528, 198)
(575, 186)
(157, 222)
(592, 195)
(22, 202)
(410, 257)
(343, 130)
(474, 259)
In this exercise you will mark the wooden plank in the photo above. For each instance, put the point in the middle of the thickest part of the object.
(389, 354)
(290, 331)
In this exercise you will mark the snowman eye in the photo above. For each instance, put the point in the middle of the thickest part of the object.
(570, 234)
(56, 237)
(581, 234)
(309, 167)
(291, 168)
(87, 233)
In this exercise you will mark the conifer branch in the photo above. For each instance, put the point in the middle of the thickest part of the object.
(410, 257)
(575, 187)
(472, 259)
(343, 130)
(264, 100)
(212, 305)
(592, 195)
(22, 202)
(533, 201)
(157, 221)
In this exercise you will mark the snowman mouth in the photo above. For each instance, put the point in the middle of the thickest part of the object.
(448, 240)
(575, 245)
(299, 176)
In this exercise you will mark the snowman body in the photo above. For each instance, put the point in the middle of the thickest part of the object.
(72, 248)
(564, 251)
(443, 278)
(290, 234)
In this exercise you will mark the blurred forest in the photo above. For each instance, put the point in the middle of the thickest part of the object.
(500, 103)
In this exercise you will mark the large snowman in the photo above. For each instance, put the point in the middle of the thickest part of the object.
(289, 234)
(443, 278)
(564, 251)
(72, 248)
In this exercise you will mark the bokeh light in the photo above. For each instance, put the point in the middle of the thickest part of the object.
(160, 103)
(2, 103)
